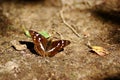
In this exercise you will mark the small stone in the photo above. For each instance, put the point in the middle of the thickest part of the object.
(18, 46)
(9, 66)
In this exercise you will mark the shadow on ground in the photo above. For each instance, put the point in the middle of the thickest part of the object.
(112, 18)
(26, 1)
(5, 24)
(113, 77)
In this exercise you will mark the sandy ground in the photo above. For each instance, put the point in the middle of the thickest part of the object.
(93, 21)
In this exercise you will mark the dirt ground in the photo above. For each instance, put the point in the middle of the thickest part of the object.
(96, 22)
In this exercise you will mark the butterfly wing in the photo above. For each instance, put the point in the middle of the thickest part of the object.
(40, 42)
(56, 46)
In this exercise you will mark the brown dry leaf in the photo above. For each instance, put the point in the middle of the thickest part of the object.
(99, 50)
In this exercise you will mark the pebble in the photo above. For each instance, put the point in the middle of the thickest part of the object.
(18, 46)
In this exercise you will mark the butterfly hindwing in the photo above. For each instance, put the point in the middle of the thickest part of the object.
(57, 46)
(39, 50)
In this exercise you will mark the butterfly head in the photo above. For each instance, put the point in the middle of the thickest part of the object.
(32, 33)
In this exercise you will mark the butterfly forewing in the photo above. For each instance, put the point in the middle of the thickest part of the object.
(40, 42)
(38, 38)
(56, 46)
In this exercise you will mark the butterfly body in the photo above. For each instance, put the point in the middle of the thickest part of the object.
(47, 48)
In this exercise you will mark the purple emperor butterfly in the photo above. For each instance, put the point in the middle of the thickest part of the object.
(47, 48)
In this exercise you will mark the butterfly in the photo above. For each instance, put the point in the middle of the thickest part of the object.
(45, 47)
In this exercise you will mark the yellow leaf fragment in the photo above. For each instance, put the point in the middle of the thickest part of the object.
(99, 50)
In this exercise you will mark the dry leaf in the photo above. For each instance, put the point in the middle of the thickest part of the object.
(99, 50)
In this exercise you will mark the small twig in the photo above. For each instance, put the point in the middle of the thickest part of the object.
(69, 26)
(88, 44)
(61, 37)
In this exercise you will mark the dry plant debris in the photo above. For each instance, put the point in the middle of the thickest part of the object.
(68, 25)
(99, 50)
